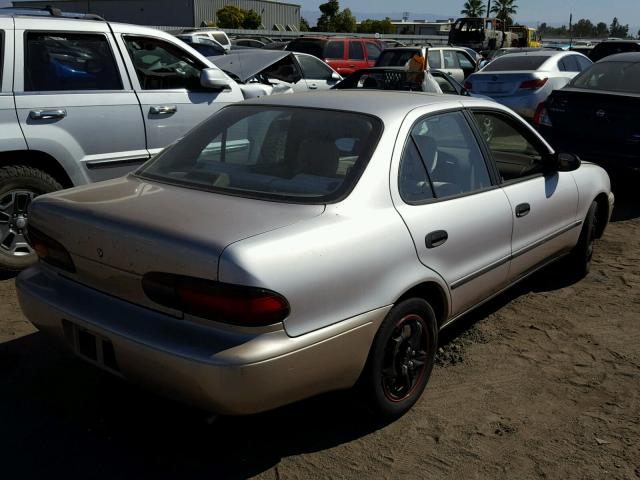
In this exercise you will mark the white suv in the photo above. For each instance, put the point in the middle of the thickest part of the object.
(83, 100)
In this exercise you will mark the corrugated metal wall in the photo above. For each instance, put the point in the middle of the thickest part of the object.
(271, 12)
(183, 13)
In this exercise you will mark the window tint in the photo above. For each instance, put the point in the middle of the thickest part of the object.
(516, 62)
(610, 76)
(394, 58)
(515, 156)
(334, 50)
(69, 61)
(292, 154)
(450, 59)
(161, 65)
(306, 46)
(465, 62)
(413, 182)
(314, 68)
(583, 62)
(569, 64)
(356, 51)
(373, 52)
(221, 38)
(450, 156)
(434, 59)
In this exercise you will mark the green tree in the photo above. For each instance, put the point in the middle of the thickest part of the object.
(504, 9)
(230, 17)
(473, 8)
(304, 25)
(617, 30)
(345, 22)
(376, 26)
(252, 20)
(602, 30)
(583, 28)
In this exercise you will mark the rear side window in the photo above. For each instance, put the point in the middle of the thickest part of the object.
(583, 62)
(356, 52)
(334, 50)
(69, 61)
(569, 64)
(434, 59)
(291, 154)
(516, 63)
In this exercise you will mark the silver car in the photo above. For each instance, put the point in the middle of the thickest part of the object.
(523, 81)
(293, 245)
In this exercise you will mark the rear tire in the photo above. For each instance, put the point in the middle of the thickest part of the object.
(401, 359)
(579, 260)
(19, 185)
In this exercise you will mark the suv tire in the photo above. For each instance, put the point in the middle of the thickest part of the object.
(19, 184)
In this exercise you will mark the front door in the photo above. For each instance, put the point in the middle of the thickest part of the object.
(544, 206)
(166, 78)
(317, 74)
(460, 221)
(74, 100)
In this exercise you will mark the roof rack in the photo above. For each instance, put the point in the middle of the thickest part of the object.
(50, 11)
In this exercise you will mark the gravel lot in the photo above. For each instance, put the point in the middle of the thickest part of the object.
(543, 382)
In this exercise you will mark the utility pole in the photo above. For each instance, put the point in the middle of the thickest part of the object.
(570, 31)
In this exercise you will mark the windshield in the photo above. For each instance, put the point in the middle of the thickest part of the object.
(516, 63)
(611, 76)
(291, 154)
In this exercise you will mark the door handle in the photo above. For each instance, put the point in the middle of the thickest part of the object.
(163, 110)
(435, 239)
(523, 209)
(47, 114)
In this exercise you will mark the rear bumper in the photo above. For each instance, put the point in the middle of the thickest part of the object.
(224, 371)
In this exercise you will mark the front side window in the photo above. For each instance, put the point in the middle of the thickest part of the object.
(161, 65)
(434, 59)
(516, 157)
(450, 156)
(314, 68)
(464, 61)
(356, 51)
(289, 154)
(450, 59)
(69, 61)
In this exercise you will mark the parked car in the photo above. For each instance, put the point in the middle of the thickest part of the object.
(396, 78)
(202, 45)
(247, 42)
(263, 72)
(321, 240)
(344, 54)
(522, 81)
(212, 33)
(84, 100)
(611, 47)
(455, 61)
(493, 54)
(596, 115)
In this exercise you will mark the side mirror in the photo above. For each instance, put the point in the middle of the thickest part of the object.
(214, 79)
(563, 162)
(336, 76)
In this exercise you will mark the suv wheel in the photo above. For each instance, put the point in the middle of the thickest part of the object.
(19, 185)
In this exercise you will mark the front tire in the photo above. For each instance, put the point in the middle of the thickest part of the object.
(401, 358)
(19, 185)
(579, 260)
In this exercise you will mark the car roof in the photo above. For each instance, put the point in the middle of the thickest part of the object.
(622, 57)
(386, 104)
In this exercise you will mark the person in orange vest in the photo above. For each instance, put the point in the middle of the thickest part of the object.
(417, 69)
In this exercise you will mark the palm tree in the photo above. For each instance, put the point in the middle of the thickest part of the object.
(473, 8)
(504, 9)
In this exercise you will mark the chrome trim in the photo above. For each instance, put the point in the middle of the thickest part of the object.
(98, 164)
(488, 268)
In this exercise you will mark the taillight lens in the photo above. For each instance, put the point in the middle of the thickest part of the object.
(533, 84)
(468, 85)
(541, 116)
(50, 250)
(221, 302)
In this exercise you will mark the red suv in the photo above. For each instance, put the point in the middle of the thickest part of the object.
(344, 54)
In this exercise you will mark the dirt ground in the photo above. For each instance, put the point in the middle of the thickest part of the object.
(543, 382)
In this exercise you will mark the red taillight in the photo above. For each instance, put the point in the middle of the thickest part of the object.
(541, 116)
(221, 302)
(533, 84)
(50, 250)
(468, 85)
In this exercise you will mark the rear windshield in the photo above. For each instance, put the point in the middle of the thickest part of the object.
(515, 63)
(290, 154)
(394, 58)
(610, 76)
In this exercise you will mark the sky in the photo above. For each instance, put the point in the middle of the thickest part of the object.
(529, 11)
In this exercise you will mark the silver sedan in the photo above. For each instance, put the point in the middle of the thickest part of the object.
(523, 81)
(294, 245)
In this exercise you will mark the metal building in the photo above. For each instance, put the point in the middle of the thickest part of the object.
(178, 13)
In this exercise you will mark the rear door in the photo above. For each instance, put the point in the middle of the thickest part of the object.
(166, 78)
(11, 137)
(543, 206)
(356, 58)
(74, 100)
(460, 221)
(336, 56)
